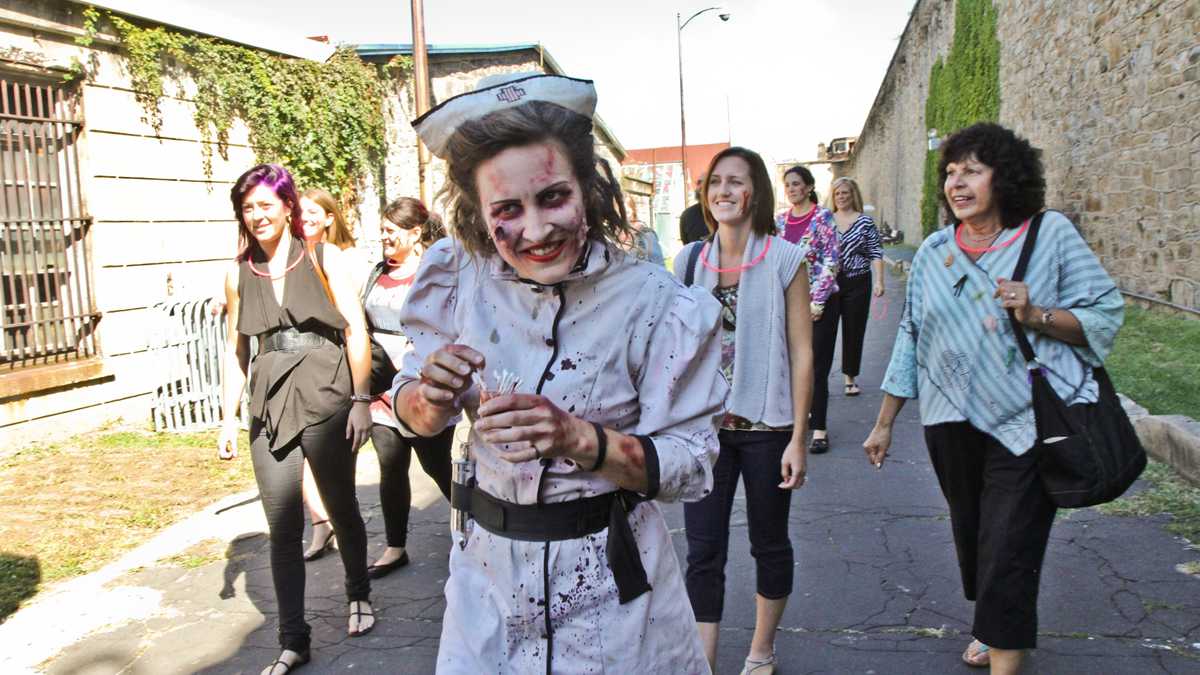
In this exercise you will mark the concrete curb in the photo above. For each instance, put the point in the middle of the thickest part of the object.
(1171, 439)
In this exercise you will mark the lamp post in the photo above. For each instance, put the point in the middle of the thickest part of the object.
(679, 26)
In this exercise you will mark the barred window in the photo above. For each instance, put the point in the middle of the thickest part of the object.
(48, 312)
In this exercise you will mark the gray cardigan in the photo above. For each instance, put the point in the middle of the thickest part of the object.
(762, 379)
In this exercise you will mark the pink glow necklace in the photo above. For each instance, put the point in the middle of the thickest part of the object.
(268, 273)
(743, 267)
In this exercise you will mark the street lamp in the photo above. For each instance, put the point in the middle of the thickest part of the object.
(934, 141)
(679, 26)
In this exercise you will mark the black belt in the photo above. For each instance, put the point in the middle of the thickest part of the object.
(292, 340)
(565, 520)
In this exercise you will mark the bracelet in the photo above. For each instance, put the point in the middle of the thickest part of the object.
(601, 447)
(361, 398)
(1047, 318)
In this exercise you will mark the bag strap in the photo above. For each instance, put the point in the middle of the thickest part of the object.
(1019, 275)
(693, 256)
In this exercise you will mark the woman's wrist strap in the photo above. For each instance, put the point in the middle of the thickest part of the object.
(601, 446)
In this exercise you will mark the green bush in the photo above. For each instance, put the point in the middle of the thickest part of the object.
(963, 89)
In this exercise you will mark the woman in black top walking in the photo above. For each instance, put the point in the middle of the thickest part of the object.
(308, 392)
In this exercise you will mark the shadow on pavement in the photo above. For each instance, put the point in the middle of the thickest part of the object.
(20, 577)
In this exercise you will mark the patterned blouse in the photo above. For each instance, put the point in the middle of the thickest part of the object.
(955, 348)
(820, 243)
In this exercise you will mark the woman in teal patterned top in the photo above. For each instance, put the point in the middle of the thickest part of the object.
(956, 351)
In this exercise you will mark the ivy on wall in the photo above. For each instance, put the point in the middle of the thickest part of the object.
(324, 121)
(964, 88)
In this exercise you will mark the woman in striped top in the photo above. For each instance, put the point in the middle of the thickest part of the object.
(861, 267)
(957, 351)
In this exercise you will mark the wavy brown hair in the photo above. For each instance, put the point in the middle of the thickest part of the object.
(339, 233)
(762, 212)
(481, 139)
(409, 213)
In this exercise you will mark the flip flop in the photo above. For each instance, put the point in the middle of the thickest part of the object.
(976, 655)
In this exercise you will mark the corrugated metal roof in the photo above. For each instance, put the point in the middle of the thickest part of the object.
(405, 48)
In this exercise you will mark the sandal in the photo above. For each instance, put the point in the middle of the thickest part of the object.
(853, 389)
(314, 552)
(301, 659)
(819, 446)
(760, 667)
(977, 655)
(357, 613)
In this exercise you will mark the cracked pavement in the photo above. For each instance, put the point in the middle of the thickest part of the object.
(876, 591)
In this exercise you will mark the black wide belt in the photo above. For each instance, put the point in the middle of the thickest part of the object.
(292, 340)
(565, 520)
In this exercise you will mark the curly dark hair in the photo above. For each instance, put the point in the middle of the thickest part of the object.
(483, 138)
(1018, 181)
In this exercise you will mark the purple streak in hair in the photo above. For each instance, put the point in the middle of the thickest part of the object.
(281, 183)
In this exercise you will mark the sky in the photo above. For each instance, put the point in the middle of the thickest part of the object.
(778, 77)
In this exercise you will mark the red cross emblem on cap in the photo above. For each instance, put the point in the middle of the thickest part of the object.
(510, 94)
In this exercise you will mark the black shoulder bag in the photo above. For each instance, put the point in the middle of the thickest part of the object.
(1087, 453)
(382, 369)
(689, 276)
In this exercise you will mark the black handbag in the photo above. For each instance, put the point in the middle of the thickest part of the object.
(1087, 453)
(383, 371)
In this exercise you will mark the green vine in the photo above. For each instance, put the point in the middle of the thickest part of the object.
(963, 89)
(324, 121)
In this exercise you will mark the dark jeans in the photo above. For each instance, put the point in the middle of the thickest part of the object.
(854, 307)
(755, 455)
(824, 339)
(1001, 519)
(395, 456)
(278, 474)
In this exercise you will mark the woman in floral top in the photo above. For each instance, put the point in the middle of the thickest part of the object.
(812, 228)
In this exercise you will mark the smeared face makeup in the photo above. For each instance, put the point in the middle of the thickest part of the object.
(532, 203)
(730, 191)
(315, 220)
(398, 242)
(265, 214)
(796, 189)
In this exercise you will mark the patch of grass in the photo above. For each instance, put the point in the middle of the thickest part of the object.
(1168, 493)
(1154, 362)
(1192, 567)
(73, 506)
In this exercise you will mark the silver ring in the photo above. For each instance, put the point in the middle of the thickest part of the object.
(1012, 296)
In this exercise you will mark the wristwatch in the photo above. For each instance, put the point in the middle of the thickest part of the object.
(1047, 318)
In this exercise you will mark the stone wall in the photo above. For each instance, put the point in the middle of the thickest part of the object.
(887, 161)
(1108, 90)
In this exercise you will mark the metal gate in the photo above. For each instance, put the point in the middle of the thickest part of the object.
(189, 340)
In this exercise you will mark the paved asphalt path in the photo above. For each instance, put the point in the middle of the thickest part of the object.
(877, 588)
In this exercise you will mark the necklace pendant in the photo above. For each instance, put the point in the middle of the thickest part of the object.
(949, 259)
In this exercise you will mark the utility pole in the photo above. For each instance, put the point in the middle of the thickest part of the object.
(421, 77)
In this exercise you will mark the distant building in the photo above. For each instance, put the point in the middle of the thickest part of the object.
(104, 217)
(824, 168)
(661, 166)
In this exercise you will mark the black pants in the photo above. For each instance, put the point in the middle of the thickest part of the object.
(278, 475)
(824, 339)
(756, 456)
(1001, 519)
(854, 307)
(395, 456)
